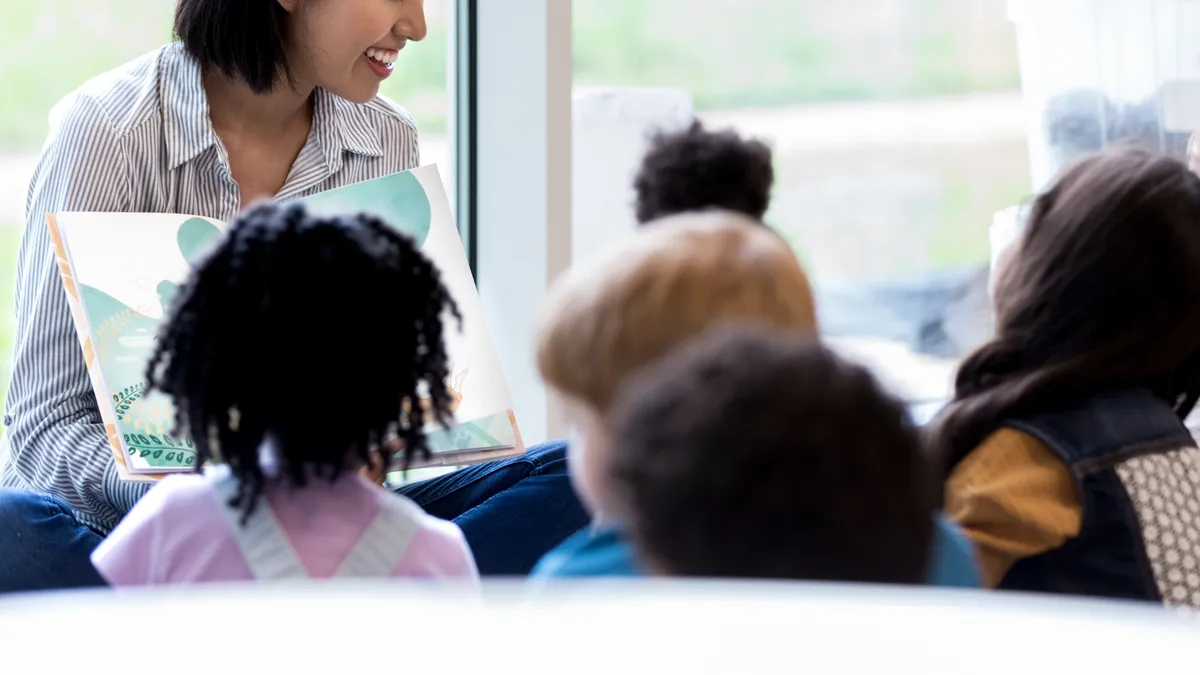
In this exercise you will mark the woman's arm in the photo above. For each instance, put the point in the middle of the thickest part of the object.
(57, 439)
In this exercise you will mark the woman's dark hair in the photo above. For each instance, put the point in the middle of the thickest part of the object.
(750, 453)
(319, 336)
(1102, 292)
(697, 169)
(244, 39)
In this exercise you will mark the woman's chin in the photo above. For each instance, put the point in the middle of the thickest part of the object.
(355, 92)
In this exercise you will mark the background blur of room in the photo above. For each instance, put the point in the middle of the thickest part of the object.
(897, 128)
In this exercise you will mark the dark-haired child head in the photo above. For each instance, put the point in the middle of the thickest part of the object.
(697, 169)
(312, 336)
(751, 453)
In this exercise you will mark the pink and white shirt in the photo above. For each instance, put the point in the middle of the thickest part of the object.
(183, 531)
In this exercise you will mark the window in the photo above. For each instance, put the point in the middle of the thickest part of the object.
(898, 132)
(103, 34)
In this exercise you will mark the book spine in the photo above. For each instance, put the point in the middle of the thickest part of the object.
(83, 331)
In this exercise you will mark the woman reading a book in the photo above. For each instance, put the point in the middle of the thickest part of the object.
(257, 99)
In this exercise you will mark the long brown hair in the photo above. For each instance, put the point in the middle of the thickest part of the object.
(1103, 291)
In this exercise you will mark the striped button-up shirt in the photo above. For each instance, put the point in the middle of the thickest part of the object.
(139, 139)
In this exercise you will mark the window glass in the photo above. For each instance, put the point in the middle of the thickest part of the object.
(898, 132)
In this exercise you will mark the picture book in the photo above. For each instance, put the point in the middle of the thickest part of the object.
(120, 272)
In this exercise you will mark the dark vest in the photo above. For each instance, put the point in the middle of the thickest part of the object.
(1137, 472)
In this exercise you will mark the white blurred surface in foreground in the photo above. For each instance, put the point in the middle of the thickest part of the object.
(594, 627)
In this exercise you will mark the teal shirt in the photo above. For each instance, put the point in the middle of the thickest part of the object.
(590, 552)
(601, 552)
(953, 558)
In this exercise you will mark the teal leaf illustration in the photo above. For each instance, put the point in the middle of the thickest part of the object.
(195, 236)
(399, 200)
(167, 290)
(122, 336)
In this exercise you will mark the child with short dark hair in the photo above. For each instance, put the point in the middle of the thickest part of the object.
(751, 453)
(296, 350)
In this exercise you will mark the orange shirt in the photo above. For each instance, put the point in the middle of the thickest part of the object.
(1015, 499)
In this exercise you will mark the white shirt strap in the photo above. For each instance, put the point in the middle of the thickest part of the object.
(385, 541)
(265, 546)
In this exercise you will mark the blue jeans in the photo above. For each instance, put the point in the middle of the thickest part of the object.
(42, 546)
(512, 512)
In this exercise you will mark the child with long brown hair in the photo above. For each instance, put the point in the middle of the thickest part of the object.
(1068, 460)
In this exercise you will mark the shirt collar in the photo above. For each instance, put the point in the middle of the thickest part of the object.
(186, 126)
(339, 126)
(342, 127)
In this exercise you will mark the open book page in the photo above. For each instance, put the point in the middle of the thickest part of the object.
(415, 202)
(121, 272)
(116, 270)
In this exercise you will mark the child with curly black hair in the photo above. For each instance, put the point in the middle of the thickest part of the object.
(296, 350)
(751, 453)
(697, 169)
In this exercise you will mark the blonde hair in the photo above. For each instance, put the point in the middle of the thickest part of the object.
(678, 277)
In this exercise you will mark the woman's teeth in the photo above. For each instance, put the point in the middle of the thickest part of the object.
(384, 56)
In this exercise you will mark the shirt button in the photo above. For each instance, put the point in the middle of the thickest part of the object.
(7, 420)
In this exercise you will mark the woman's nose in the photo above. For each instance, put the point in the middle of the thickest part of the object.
(411, 25)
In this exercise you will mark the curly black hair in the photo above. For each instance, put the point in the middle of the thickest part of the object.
(750, 453)
(696, 169)
(319, 335)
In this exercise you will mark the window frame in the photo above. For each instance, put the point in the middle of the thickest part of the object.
(464, 76)
(511, 136)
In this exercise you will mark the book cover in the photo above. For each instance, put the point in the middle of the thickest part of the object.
(121, 271)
